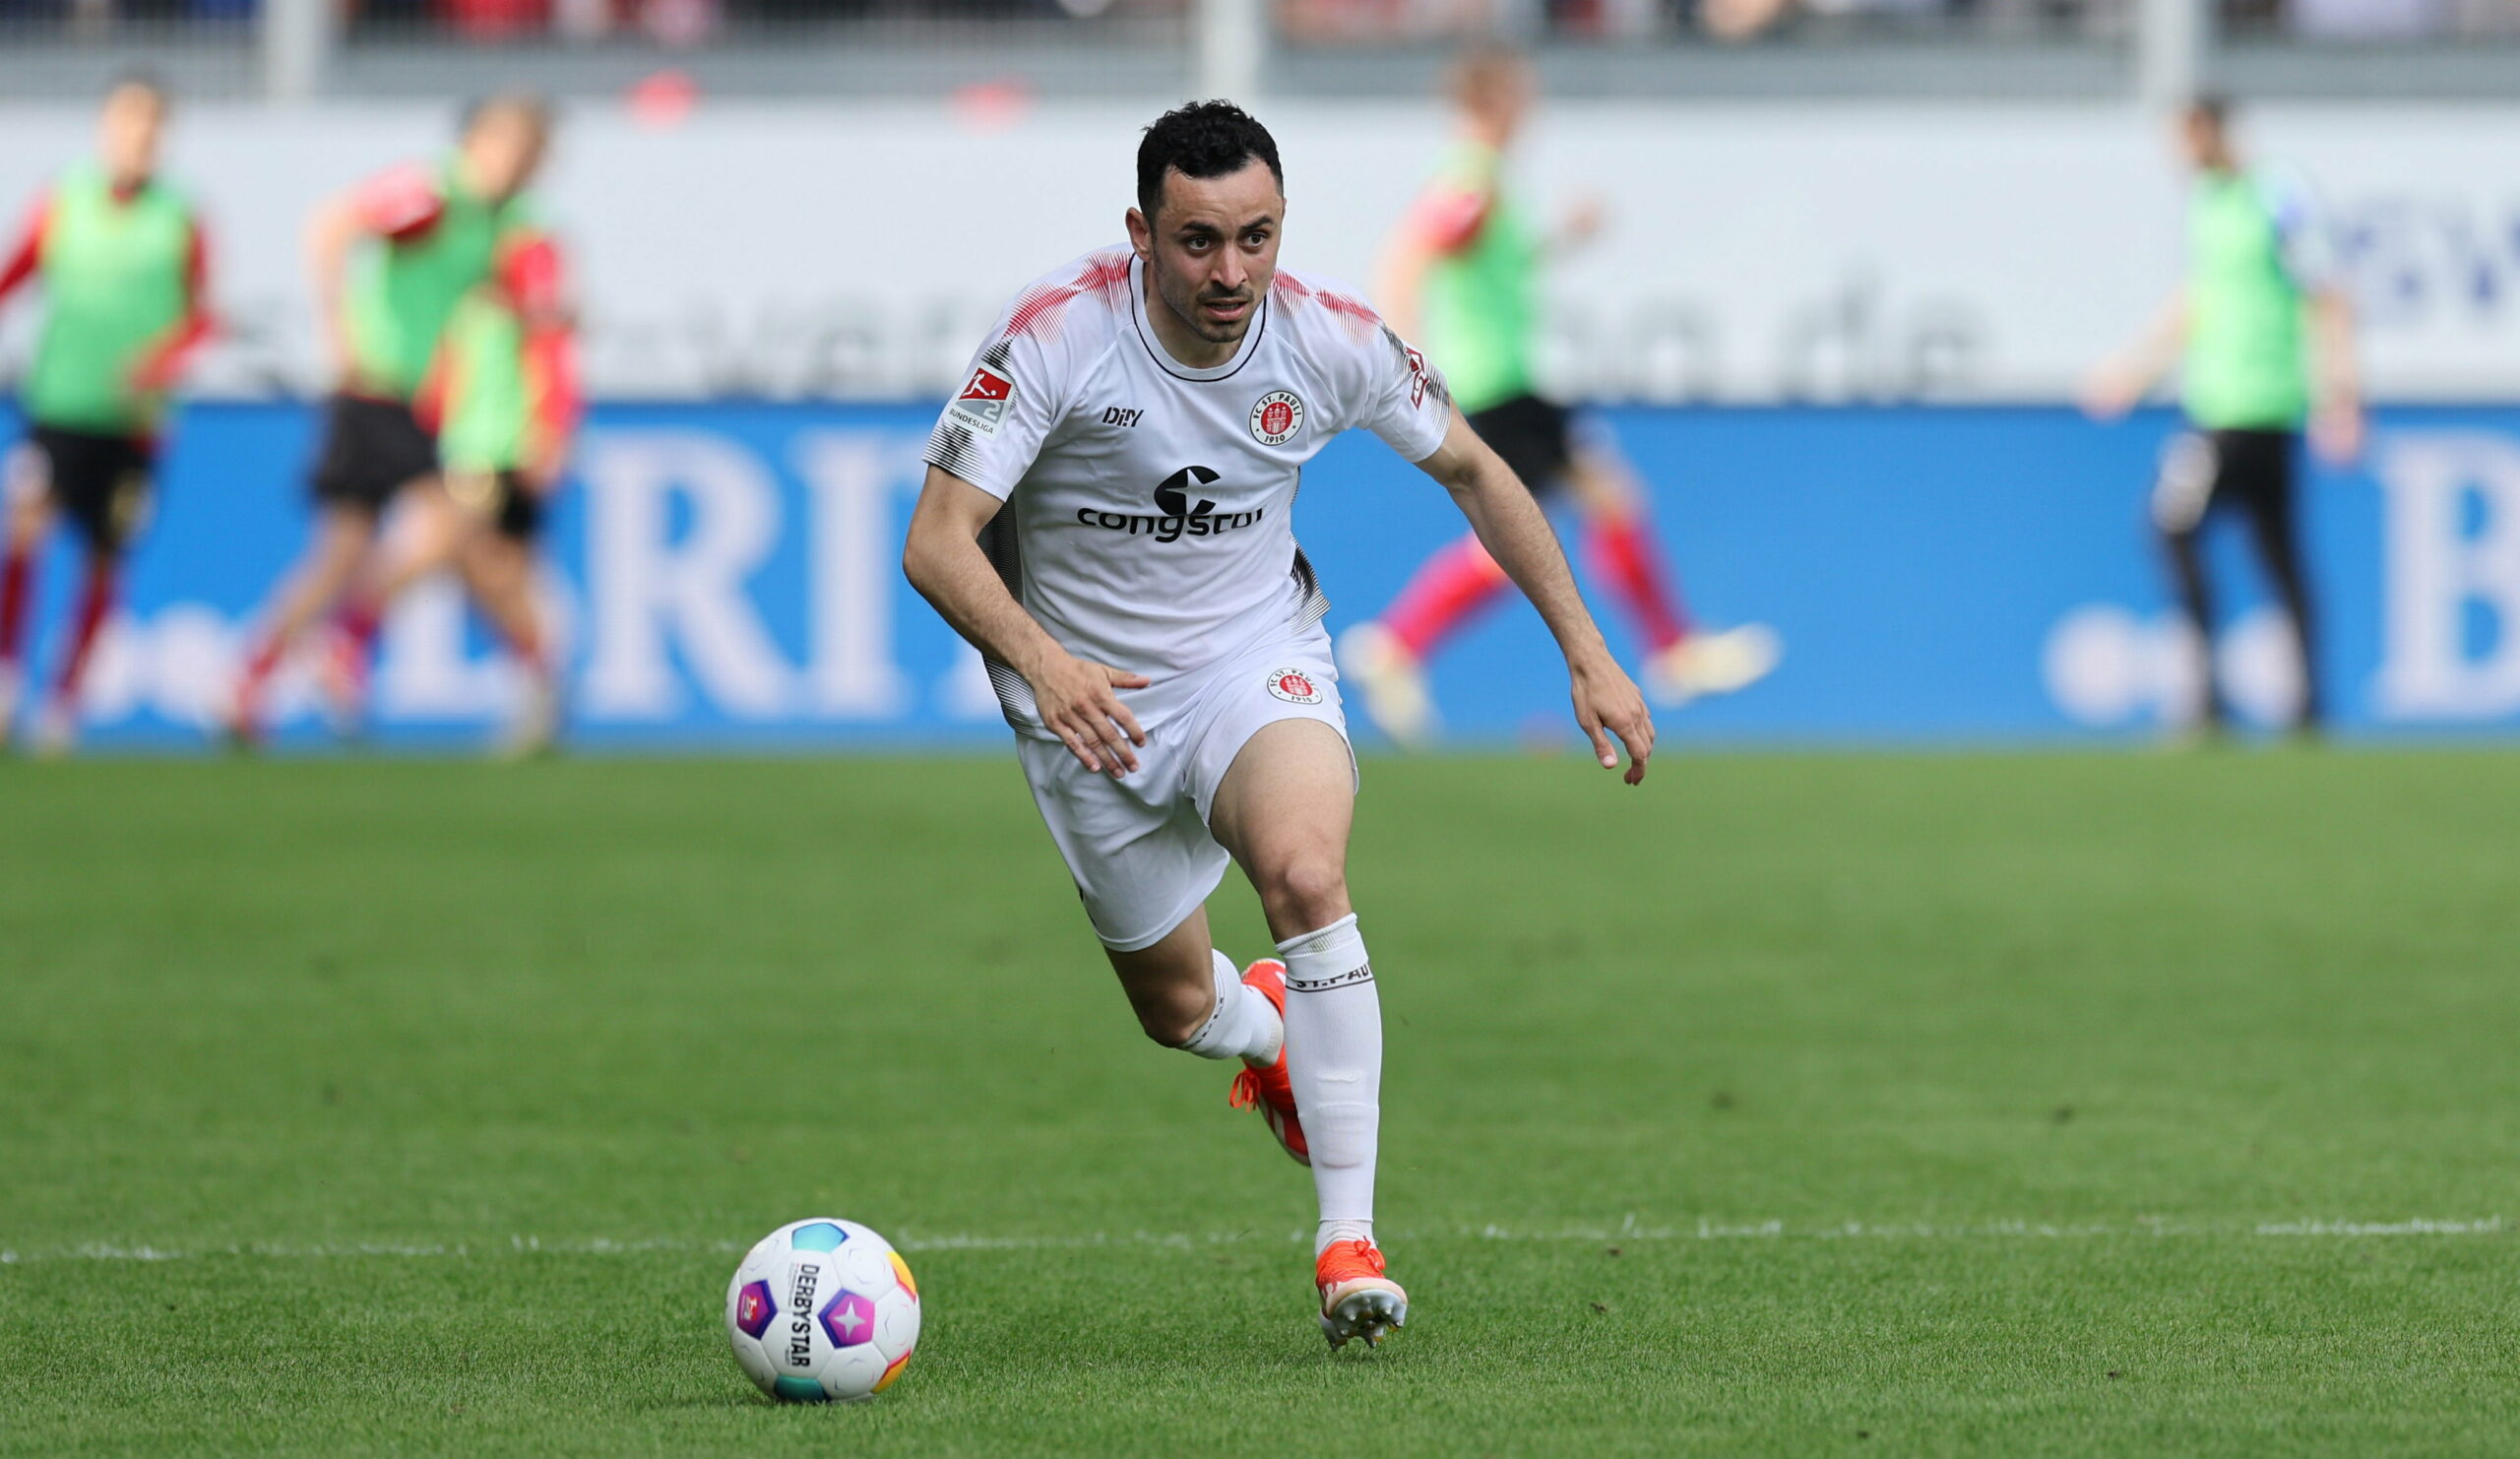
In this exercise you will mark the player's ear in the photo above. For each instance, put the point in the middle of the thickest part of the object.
(1141, 234)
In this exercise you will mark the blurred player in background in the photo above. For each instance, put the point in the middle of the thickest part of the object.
(1104, 519)
(431, 235)
(2264, 341)
(503, 402)
(124, 270)
(1467, 261)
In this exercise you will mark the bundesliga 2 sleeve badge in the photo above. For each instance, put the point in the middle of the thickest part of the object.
(983, 402)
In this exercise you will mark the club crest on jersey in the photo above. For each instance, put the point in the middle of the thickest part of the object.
(1293, 685)
(1276, 417)
(982, 403)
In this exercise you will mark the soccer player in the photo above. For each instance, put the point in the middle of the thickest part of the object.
(433, 234)
(1106, 518)
(2265, 342)
(503, 401)
(1467, 256)
(124, 270)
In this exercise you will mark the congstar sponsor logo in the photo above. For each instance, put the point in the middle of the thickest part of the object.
(1177, 513)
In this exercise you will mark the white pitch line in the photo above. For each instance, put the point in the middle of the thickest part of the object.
(1628, 1230)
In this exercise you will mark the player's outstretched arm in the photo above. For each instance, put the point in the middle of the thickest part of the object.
(25, 258)
(944, 562)
(1400, 278)
(1510, 525)
(2336, 419)
(2120, 384)
(332, 231)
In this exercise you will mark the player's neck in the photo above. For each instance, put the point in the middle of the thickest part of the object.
(1174, 334)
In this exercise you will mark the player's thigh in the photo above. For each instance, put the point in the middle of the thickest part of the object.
(431, 528)
(1142, 861)
(32, 505)
(1283, 812)
(344, 536)
(1600, 479)
(1270, 764)
(1293, 779)
(497, 565)
(2190, 480)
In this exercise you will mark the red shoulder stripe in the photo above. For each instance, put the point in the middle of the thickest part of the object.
(1039, 310)
(1449, 220)
(1361, 316)
(27, 256)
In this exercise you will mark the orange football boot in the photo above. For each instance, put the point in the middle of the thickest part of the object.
(1357, 1299)
(1269, 1088)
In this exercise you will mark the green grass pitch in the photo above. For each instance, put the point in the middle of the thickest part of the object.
(1792, 1106)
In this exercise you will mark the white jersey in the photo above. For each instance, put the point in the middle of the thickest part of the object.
(1146, 509)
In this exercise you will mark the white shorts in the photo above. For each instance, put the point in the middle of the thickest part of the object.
(1138, 846)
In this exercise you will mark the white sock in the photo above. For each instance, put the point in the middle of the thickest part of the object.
(1331, 1232)
(1243, 1026)
(1334, 1057)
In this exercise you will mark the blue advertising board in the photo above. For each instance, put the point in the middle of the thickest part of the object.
(728, 576)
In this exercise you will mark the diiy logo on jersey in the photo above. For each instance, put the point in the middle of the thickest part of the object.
(1176, 515)
(982, 404)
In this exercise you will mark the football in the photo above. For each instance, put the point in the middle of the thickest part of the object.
(823, 1311)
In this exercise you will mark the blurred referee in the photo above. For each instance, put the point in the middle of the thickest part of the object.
(2264, 339)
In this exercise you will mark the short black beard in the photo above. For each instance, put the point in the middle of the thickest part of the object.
(1198, 326)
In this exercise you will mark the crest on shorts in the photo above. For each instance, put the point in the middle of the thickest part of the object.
(1276, 417)
(1293, 685)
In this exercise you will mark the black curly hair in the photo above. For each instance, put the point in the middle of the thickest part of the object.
(1202, 139)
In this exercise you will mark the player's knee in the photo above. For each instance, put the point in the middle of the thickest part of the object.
(1308, 889)
(29, 515)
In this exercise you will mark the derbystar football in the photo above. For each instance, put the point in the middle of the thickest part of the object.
(823, 1310)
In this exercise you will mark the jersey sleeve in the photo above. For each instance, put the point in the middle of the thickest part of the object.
(1399, 396)
(163, 361)
(400, 202)
(1449, 216)
(2300, 233)
(528, 274)
(533, 280)
(25, 253)
(1008, 401)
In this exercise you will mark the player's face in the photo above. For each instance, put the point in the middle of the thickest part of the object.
(1212, 248)
(1504, 99)
(128, 132)
(503, 149)
(2200, 140)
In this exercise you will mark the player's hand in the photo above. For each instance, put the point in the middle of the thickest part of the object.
(155, 374)
(341, 357)
(2111, 393)
(1607, 703)
(2336, 433)
(1585, 216)
(1740, 20)
(1079, 707)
